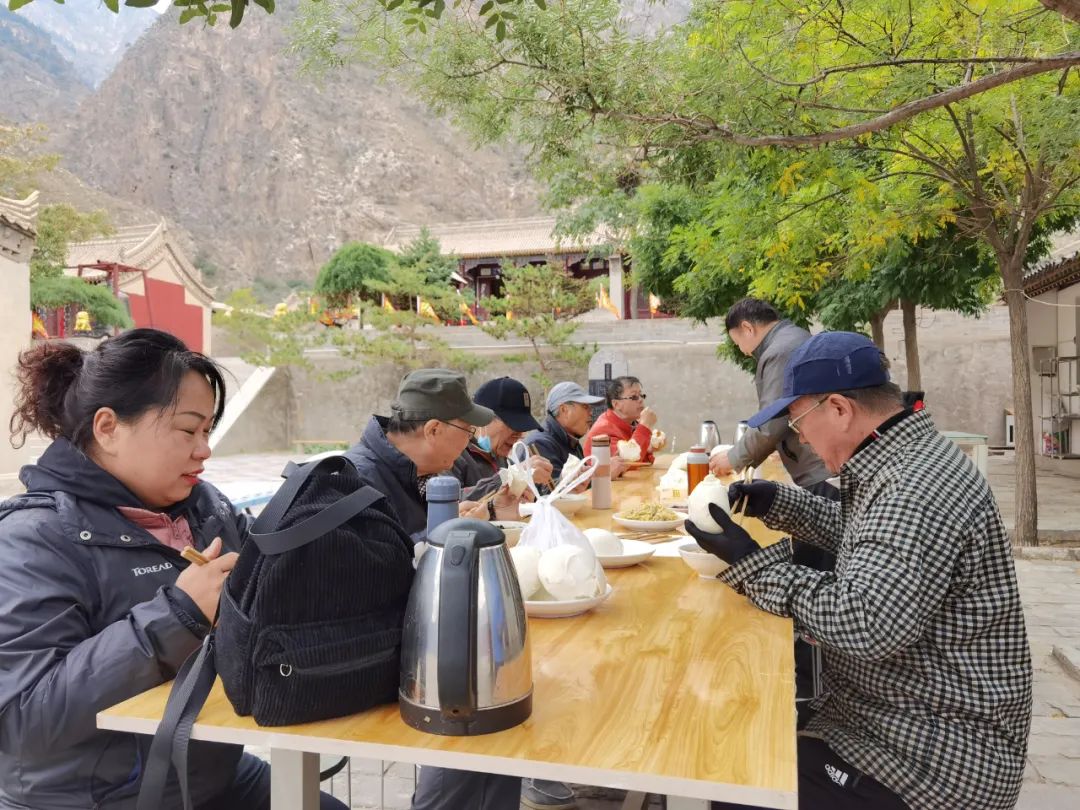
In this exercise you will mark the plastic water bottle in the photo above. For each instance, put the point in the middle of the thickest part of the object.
(443, 495)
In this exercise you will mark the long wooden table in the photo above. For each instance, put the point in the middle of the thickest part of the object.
(675, 685)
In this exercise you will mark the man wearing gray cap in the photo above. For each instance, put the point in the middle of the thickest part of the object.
(431, 421)
(569, 414)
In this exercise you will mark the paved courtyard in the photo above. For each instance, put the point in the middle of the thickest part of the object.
(1050, 590)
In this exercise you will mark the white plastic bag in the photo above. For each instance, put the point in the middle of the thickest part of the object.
(517, 475)
(568, 566)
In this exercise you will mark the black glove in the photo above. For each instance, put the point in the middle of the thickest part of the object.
(731, 544)
(754, 499)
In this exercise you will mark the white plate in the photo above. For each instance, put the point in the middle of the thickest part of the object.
(564, 609)
(634, 551)
(651, 525)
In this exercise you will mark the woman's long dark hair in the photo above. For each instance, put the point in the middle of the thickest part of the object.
(61, 387)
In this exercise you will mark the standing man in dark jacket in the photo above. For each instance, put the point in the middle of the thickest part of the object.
(756, 328)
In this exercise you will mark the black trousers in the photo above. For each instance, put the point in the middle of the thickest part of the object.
(820, 560)
(829, 782)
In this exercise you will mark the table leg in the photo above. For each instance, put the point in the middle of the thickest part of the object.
(294, 780)
(682, 803)
(635, 801)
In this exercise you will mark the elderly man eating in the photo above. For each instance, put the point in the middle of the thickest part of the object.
(927, 700)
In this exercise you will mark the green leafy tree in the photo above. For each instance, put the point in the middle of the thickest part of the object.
(425, 254)
(537, 304)
(918, 103)
(57, 227)
(406, 331)
(351, 271)
(54, 292)
(21, 160)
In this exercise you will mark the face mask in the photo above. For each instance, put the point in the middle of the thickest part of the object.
(484, 442)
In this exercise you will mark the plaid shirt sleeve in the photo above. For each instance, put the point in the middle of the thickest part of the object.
(893, 580)
(806, 516)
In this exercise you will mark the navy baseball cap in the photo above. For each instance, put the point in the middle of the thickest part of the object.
(511, 402)
(826, 363)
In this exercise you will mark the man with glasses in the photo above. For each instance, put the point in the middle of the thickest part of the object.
(627, 417)
(927, 700)
(431, 421)
(569, 412)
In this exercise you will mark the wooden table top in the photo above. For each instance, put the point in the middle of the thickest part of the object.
(674, 685)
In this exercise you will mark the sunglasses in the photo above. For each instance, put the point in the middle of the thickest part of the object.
(794, 423)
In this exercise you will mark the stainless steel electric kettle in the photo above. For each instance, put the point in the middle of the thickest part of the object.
(465, 662)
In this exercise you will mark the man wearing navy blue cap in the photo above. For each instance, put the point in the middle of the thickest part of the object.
(478, 466)
(927, 700)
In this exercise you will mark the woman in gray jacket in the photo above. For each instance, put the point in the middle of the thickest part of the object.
(96, 603)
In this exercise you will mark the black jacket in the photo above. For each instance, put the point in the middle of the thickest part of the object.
(478, 472)
(554, 444)
(386, 469)
(89, 617)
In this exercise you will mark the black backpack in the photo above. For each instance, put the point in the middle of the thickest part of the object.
(306, 630)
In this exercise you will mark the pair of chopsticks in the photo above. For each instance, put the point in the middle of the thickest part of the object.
(648, 537)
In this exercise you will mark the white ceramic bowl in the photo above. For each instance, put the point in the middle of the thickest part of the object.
(548, 609)
(569, 504)
(707, 565)
(650, 525)
(634, 551)
(511, 530)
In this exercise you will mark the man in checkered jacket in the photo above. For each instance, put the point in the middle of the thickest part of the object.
(927, 701)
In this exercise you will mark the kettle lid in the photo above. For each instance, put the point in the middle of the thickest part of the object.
(485, 534)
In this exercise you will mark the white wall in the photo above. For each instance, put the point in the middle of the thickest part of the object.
(14, 337)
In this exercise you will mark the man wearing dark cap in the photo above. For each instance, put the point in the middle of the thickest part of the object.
(488, 452)
(927, 700)
(431, 421)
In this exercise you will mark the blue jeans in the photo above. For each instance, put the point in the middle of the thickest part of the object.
(250, 789)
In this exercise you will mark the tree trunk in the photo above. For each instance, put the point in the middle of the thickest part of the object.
(1025, 531)
(911, 346)
(877, 327)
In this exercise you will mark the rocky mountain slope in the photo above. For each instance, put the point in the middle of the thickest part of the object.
(87, 34)
(38, 83)
(270, 170)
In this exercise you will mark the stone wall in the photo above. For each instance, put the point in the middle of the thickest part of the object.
(965, 368)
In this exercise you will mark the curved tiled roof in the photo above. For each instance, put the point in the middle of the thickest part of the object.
(497, 238)
(20, 214)
(139, 246)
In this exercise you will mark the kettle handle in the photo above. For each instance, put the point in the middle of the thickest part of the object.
(458, 587)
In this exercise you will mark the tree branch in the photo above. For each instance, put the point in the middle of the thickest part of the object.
(1066, 8)
(714, 131)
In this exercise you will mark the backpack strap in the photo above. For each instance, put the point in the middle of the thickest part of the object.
(295, 475)
(317, 525)
(189, 693)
